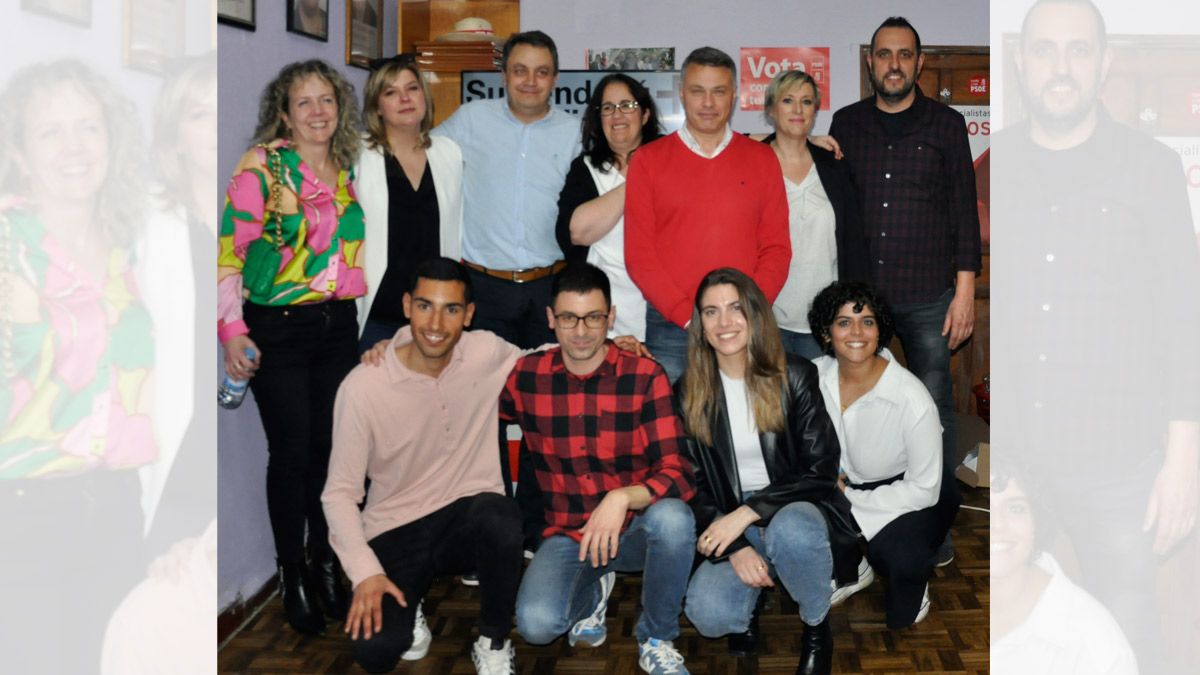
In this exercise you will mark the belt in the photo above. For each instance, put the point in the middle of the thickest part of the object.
(518, 276)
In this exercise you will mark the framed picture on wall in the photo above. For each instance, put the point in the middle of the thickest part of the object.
(73, 11)
(238, 13)
(364, 31)
(309, 18)
(153, 34)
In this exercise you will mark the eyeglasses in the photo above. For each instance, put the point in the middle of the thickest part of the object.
(594, 320)
(402, 59)
(607, 109)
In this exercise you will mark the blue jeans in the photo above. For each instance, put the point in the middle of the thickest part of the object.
(667, 342)
(919, 327)
(559, 590)
(795, 546)
(801, 344)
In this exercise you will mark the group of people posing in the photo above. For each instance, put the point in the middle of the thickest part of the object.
(761, 435)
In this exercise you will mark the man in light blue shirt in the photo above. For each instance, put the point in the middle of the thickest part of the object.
(516, 152)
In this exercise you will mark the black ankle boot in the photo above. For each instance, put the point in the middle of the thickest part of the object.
(745, 644)
(330, 589)
(300, 599)
(816, 649)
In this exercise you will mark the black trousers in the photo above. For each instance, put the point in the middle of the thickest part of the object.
(306, 351)
(70, 552)
(905, 552)
(517, 313)
(481, 532)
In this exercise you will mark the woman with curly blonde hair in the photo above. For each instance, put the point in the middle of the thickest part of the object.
(289, 271)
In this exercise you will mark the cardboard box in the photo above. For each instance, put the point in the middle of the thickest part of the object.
(975, 469)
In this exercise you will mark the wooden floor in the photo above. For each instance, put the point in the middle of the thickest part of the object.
(952, 639)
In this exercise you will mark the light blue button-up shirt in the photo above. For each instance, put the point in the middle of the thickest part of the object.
(512, 175)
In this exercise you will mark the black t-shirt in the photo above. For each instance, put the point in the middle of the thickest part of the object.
(412, 238)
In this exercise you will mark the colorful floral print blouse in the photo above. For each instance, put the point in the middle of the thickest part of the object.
(322, 232)
(78, 354)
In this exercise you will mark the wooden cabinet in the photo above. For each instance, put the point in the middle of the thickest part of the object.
(425, 20)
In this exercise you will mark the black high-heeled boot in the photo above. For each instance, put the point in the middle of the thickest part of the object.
(300, 599)
(816, 649)
(745, 644)
(330, 588)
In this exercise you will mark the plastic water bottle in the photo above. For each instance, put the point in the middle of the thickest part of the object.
(232, 392)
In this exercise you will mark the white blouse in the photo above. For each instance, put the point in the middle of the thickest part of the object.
(892, 429)
(812, 225)
(609, 255)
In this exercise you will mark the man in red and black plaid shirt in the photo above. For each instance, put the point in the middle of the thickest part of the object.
(604, 441)
(910, 159)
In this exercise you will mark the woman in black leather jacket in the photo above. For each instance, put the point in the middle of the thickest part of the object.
(766, 462)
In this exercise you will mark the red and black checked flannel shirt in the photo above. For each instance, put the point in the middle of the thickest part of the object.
(918, 196)
(589, 435)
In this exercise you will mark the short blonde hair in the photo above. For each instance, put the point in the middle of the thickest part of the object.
(784, 82)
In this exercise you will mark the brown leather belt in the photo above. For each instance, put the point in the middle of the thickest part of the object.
(518, 276)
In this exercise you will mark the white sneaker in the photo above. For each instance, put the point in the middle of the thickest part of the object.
(490, 661)
(866, 576)
(924, 611)
(659, 657)
(422, 638)
(591, 631)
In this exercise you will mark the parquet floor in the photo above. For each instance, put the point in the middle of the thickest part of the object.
(952, 639)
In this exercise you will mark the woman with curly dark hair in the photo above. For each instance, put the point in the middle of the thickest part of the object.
(891, 440)
(765, 458)
(289, 270)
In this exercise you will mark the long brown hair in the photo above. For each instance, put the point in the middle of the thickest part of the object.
(766, 362)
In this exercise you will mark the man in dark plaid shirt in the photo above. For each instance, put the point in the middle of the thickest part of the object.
(911, 162)
(604, 441)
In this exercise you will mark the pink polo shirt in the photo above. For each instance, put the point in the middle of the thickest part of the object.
(424, 442)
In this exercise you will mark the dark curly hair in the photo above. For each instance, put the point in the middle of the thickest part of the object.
(827, 303)
(595, 145)
(1012, 468)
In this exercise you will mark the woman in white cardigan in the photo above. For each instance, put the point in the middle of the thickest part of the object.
(891, 440)
(410, 188)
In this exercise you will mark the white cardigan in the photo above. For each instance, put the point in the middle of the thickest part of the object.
(370, 186)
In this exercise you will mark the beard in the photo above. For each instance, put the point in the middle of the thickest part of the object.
(1058, 117)
(893, 96)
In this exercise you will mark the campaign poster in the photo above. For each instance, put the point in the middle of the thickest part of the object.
(759, 65)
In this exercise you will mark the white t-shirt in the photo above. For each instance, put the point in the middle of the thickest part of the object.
(747, 449)
(812, 226)
(1066, 633)
(609, 255)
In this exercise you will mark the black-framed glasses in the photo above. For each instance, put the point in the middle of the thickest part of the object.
(594, 320)
(402, 59)
(607, 109)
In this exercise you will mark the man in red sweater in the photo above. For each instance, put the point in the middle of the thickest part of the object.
(699, 199)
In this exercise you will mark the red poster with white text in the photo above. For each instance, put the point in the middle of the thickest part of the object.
(759, 65)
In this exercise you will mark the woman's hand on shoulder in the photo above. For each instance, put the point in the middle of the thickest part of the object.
(629, 343)
(374, 356)
(828, 143)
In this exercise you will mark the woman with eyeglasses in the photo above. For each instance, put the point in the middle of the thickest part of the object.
(410, 187)
(289, 272)
(765, 459)
(620, 117)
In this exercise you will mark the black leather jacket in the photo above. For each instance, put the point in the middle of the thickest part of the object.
(802, 463)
